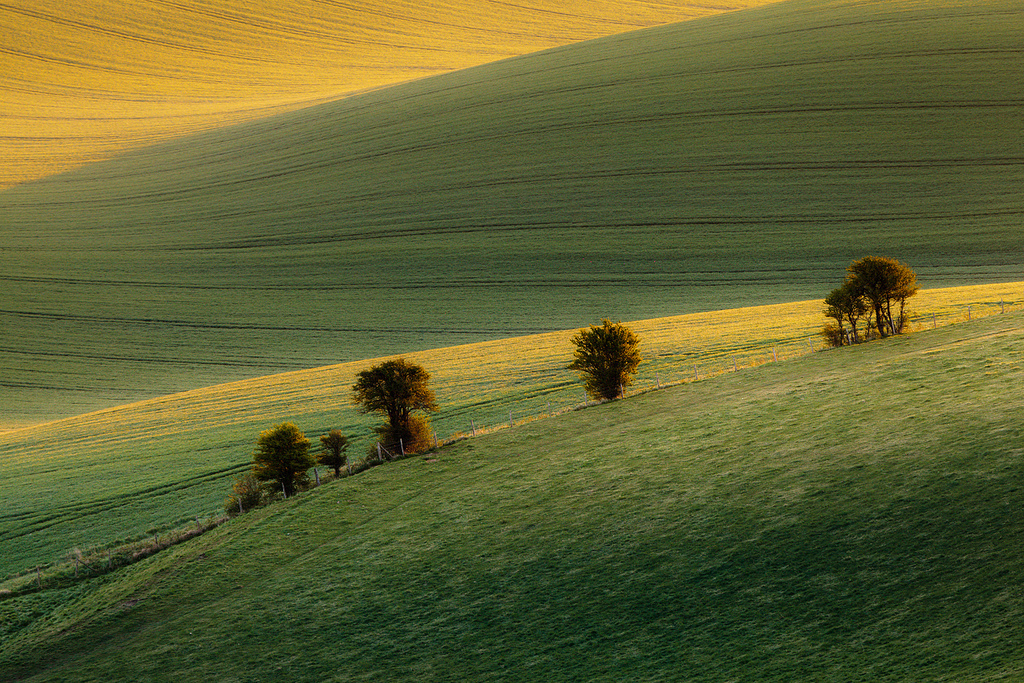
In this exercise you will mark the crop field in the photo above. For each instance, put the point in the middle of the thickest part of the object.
(737, 160)
(851, 515)
(141, 469)
(85, 80)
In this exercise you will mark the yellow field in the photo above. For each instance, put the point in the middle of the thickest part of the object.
(524, 374)
(83, 81)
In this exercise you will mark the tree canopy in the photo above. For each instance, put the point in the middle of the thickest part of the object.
(845, 305)
(606, 357)
(282, 455)
(881, 281)
(395, 389)
(333, 447)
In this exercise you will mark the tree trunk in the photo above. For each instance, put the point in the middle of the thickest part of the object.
(880, 321)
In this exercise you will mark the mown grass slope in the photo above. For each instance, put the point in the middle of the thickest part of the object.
(145, 468)
(85, 80)
(854, 515)
(737, 160)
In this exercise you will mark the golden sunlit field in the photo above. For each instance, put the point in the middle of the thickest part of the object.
(83, 81)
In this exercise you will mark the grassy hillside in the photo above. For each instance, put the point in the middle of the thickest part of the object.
(854, 515)
(738, 160)
(145, 468)
(85, 80)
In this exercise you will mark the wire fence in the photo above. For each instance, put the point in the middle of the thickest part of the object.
(678, 368)
(559, 397)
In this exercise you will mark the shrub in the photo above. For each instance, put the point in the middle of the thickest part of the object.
(606, 357)
(247, 493)
(833, 335)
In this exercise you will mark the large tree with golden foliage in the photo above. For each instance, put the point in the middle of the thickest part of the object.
(397, 389)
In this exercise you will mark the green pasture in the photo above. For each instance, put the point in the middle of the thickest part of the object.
(850, 515)
(737, 160)
(145, 468)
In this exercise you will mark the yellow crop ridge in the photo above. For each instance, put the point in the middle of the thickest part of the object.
(83, 81)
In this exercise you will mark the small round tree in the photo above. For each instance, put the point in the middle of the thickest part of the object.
(333, 452)
(395, 389)
(282, 455)
(606, 357)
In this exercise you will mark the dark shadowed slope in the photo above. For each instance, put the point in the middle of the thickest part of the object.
(852, 516)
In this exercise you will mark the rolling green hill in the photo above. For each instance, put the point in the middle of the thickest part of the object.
(742, 159)
(83, 81)
(852, 515)
(143, 469)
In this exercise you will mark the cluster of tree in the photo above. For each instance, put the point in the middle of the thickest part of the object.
(281, 463)
(874, 286)
(606, 356)
(395, 389)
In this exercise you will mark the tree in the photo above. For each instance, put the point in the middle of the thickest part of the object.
(881, 281)
(395, 389)
(845, 304)
(333, 454)
(606, 357)
(282, 455)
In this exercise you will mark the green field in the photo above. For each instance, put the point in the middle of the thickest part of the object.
(737, 160)
(144, 468)
(849, 515)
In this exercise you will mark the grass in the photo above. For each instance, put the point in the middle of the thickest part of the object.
(148, 467)
(86, 81)
(737, 160)
(851, 515)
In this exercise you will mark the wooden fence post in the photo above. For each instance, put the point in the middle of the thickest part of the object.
(283, 492)
(401, 447)
(775, 356)
(657, 378)
(968, 312)
(934, 324)
(316, 476)
(696, 376)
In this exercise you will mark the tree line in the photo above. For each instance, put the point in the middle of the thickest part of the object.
(605, 356)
